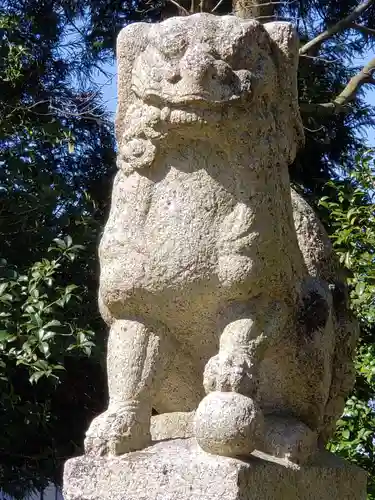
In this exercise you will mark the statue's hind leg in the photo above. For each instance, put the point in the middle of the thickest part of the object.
(135, 366)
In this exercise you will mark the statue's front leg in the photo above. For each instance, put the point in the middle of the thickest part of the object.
(134, 366)
(228, 421)
(235, 367)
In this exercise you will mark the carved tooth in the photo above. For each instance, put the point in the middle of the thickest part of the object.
(165, 113)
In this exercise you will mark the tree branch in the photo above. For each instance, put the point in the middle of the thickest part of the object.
(327, 108)
(272, 4)
(363, 29)
(338, 105)
(338, 27)
(217, 5)
(253, 9)
(322, 59)
(180, 7)
(366, 75)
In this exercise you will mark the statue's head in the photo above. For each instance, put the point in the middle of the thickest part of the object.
(216, 71)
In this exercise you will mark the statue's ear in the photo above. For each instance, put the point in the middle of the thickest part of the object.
(130, 42)
(284, 39)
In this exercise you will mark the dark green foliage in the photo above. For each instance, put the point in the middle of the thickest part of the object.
(56, 166)
(42, 346)
(349, 211)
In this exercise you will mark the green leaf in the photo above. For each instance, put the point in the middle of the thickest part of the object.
(68, 241)
(4, 335)
(6, 297)
(36, 376)
(53, 322)
(49, 335)
(41, 364)
(60, 243)
(360, 288)
(345, 434)
(59, 367)
(44, 347)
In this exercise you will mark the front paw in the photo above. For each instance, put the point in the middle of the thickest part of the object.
(288, 438)
(230, 372)
(116, 431)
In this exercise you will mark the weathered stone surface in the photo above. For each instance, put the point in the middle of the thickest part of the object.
(321, 262)
(179, 470)
(229, 424)
(172, 425)
(286, 438)
(213, 278)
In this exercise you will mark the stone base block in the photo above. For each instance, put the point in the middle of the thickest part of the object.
(179, 470)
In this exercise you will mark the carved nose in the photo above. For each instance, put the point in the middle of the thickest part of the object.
(198, 64)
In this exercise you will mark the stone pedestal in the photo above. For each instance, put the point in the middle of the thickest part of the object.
(180, 470)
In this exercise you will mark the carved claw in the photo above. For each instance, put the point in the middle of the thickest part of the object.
(115, 432)
(289, 438)
(230, 372)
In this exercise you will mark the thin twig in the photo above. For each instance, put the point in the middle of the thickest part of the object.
(313, 131)
(74, 25)
(26, 108)
(217, 5)
(338, 27)
(271, 4)
(320, 58)
(363, 29)
(180, 7)
(275, 16)
(326, 108)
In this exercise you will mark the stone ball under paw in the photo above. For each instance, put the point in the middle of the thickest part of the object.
(228, 424)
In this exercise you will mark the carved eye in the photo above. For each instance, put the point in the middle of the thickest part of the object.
(172, 48)
(215, 54)
(174, 77)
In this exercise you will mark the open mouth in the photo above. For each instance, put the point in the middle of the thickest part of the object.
(181, 116)
(202, 99)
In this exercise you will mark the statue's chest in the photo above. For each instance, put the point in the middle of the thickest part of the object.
(173, 224)
(179, 204)
(191, 204)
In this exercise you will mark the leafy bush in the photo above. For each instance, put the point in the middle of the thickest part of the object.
(35, 330)
(349, 212)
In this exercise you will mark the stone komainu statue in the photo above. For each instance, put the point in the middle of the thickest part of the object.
(216, 278)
